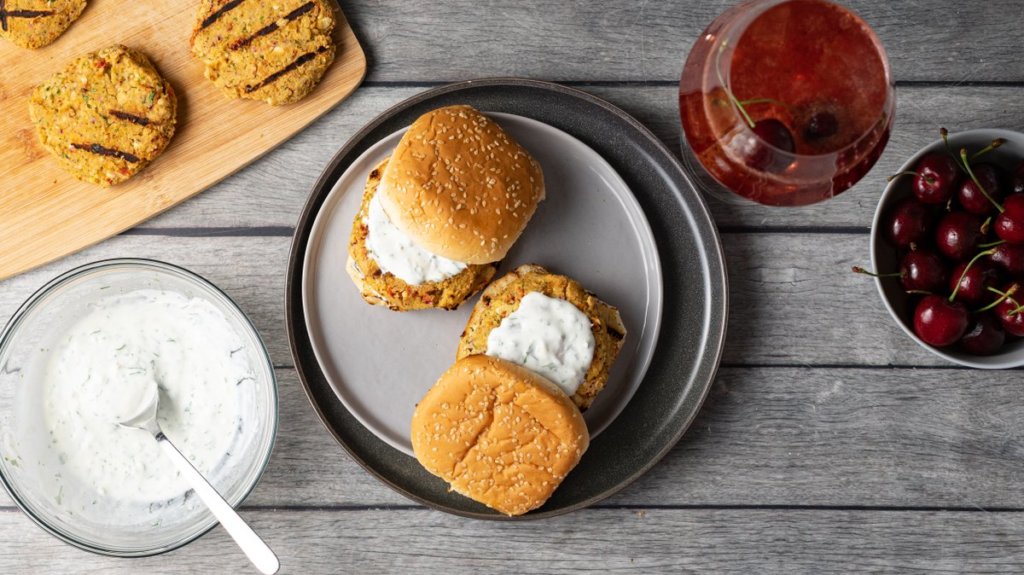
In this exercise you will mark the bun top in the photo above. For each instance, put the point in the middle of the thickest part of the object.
(461, 187)
(498, 433)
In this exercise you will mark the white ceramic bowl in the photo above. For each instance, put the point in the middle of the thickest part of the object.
(69, 509)
(884, 256)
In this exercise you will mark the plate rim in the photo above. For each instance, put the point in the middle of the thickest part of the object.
(633, 212)
(698, 211)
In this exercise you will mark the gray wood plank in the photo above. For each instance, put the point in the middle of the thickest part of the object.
(669, 541)
(249, 269)
(765, 437)
(782, 436)
(793, 298)
(272, 191)
(421, 41)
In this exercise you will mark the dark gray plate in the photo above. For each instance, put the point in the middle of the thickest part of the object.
(694, 281)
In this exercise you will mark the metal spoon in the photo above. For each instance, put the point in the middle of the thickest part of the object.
(254, 548)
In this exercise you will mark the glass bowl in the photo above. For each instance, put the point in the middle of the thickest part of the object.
(30, 466)
(886, 258)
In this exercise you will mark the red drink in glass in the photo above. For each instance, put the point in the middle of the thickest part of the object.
(812, 65)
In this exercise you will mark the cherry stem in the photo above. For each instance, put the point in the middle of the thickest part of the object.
(945, 140)
(919, 292)
(754, 101)
(995, 144)
(992, 244)
(980, 255)
(727, 88)
(970, 172)
(860, 270)
(985, 225)
(1002, 296)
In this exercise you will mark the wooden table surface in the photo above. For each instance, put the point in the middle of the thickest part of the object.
(830, 442)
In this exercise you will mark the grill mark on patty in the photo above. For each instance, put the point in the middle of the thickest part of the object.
(218, 13)
(7, 14)
(296, 64)
(616, 335)
(130, 117)
(270, 28)
(104, 151)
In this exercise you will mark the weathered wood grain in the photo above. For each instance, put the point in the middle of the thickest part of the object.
(670, 541)
(793, 298)
(766, 436)
(272, 191)
(422, 41)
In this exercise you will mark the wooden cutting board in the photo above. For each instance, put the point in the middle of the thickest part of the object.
(46, 214)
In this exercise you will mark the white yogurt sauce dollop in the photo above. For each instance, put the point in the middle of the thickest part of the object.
(546, 335)
(396, 253)
(99, 373)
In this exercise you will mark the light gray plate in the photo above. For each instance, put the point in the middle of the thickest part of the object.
(695, 296)
(590, 227)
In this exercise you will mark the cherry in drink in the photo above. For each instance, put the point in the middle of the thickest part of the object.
(786, 102)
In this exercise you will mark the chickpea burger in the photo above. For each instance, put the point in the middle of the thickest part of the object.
(437, 216)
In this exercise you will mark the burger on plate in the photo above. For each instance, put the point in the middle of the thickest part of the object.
(441, 212)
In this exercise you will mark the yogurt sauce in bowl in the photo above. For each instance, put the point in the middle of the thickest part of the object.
(98, 374)
(77, 358)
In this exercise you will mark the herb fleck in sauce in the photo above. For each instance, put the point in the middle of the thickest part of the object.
(98, 374)
(549, 336)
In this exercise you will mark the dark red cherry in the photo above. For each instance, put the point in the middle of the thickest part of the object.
(1010, 224)
(971, 198)
(935, 178)
(821, 125)
(910, 222)
(957, 235)
(984, 336)
(939, 322)
(922, 270)
(1017, 179)
(974, 282)
(776, 135)
(1006, 311)
(1010, 257)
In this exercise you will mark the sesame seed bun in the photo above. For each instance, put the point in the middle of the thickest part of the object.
(498, 433)
(461, 187)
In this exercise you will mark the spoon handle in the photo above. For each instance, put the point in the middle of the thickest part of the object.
(254, 548)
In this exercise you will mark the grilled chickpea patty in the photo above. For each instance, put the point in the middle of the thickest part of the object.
(271, 51)
(503, 297)
(37, 23)
(382, 288)
(106, 116)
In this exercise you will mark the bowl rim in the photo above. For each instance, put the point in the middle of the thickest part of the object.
(30, 303)
(884, 203)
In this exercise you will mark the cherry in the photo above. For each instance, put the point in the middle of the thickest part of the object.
(1017, 180)
(775, 134)
(972, 199)
(1008, 311)
(935, 177)
(970, 281)
(1010, 257)
(940, 322)
(910, 222)
(922, 270)
(821, 125)
(1010, 223)
(957, 235)
(984, 336)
